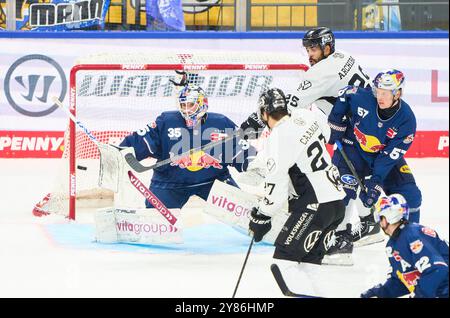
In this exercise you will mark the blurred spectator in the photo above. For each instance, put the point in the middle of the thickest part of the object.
(165, 15)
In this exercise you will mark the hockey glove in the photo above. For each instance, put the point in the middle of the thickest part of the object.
(372, 193)
(259, 225)
(337, 131)
(184, 78)
(252, 127)
(375, 291)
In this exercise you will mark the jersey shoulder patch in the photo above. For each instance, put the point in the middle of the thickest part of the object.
(338, 55)
(429, 232)
(416, 246)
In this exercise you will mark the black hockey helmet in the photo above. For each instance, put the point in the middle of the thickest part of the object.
(272, 100)
(320, 36)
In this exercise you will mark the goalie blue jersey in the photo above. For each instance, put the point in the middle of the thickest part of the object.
(381, 143)
(168, 136)
(419, 263)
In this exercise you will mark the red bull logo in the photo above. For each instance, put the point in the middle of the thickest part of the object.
(409, 279)
(196, 161)
(384, 202)
(216, 136)
(368, 143)
(416, 246)
(399, 78)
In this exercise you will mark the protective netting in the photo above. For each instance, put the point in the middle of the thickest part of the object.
(117, 99)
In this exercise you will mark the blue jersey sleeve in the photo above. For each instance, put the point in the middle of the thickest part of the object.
(146, 142)
(392, 288)
(395, 149)
(429, 262)
(338, 118)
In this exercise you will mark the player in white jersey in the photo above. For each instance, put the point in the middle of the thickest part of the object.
(330, 71)
(298, 170)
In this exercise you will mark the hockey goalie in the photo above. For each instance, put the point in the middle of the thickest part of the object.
(184, 168)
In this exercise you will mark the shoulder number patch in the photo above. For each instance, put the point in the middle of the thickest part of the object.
(429, 232)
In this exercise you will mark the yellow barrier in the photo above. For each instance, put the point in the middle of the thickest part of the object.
(286, 16)
(225, 15)
(261, 17)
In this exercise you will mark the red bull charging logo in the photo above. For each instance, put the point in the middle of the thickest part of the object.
(368, 143)
(196, 161)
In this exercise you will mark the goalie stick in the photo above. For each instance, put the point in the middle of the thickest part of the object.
(138, 167)
(282, 284)
(133, 179)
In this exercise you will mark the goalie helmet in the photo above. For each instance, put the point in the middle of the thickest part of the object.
(321, 37)
(193, 104)
(392, 80)
(394, 208)
(270, 101)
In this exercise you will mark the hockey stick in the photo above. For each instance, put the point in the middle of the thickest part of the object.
(282, 284)
(350, 165)
(138, 167)
(133, 179)
(243, 267)
(353, 170)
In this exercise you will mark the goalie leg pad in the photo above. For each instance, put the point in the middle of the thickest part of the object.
(232, 206)
(143, 226)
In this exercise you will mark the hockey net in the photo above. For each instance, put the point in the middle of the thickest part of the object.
(114, 95)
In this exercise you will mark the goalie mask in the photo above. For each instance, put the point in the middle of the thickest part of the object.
(193, 104)
(271, 101)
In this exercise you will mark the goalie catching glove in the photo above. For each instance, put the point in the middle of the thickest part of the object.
(185, 78)
(259, 225)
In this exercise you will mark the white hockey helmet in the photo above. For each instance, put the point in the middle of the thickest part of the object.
(393, 207)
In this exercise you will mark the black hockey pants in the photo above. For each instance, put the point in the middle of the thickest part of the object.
(307, 232)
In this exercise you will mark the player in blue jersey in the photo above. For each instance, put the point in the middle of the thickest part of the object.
(418, 257)
(376, 128)
(175, 132)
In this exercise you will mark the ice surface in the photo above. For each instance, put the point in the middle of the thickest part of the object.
(50, 257)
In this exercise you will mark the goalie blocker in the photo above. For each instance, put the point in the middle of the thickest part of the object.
(232, 206)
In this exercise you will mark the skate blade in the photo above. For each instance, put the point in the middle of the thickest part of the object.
(369, 240)
(338, 260)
